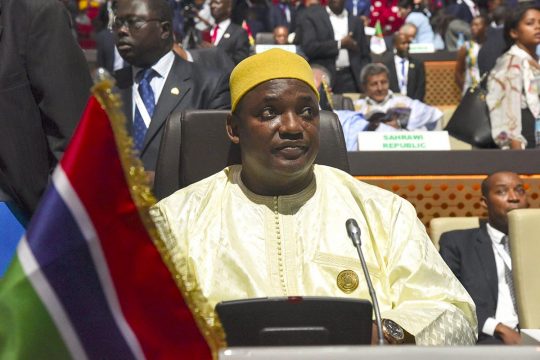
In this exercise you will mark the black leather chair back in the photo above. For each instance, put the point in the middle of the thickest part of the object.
(195, 145)
(342, 102)
(264, 38)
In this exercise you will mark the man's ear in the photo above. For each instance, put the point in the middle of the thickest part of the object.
(483, 202)
(166, 30)
(232, 128)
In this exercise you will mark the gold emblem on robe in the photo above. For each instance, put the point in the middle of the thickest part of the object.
(347, 281)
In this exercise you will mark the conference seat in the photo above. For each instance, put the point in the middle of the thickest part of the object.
(353, 96)
(342, 102)
(525, 250)
(195, 145)
(438, 226)
(264, 38)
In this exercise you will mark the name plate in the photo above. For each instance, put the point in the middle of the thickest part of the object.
(403, 141)
(421, 48)
(264, 47)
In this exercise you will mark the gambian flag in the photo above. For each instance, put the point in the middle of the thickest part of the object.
(88, 281)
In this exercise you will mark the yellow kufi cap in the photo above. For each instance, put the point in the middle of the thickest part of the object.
(271, 64)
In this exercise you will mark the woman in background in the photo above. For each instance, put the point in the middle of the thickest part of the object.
(467, 73)
(513, 97)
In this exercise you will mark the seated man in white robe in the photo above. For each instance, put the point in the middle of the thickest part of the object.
(275, 225)
(379, 98)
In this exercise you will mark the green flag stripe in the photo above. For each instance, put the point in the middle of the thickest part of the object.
(26, 329)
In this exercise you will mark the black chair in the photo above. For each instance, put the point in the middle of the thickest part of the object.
(342, 102)
(266, 38)
(195, 145)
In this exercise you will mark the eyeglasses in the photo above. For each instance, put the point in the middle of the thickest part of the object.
(132, 23)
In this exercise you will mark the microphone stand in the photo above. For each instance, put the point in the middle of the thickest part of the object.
(354, 233)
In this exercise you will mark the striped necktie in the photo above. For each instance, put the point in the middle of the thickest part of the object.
(507, 272)
(147, 96)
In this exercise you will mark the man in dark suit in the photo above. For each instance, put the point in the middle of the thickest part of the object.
(480, 260)
(335, 39)
(406, 74)
(105, 51)
(495, 45)
(465, 10)
(107, 54)
(214, 58)
(44, 86)
(159, 82)
(232, 38)
(282, 14)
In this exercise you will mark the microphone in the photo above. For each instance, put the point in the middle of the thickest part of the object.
(354, 233)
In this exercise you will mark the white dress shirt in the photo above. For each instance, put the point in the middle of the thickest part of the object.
(505, 313)
(472, 7)
(206, 15)
(340, 25)
(119, 62)
(162, 68)
(402, 73)
(222, 26)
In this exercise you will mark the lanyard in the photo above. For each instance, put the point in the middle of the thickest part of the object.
(142, 109)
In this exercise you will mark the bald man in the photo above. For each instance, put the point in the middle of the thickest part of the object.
(232, 38)
(407, 76)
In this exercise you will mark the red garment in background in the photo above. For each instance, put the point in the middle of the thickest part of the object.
(386, 11)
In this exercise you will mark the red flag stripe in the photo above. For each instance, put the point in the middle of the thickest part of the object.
(148, 295)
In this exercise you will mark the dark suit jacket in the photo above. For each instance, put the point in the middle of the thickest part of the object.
(490, 51)
(198, 88)
(416, 76)
(462, 12)
(235, 42)
(278, 17)
(362, 6)
(317, 41)
(105, 49)
(213, 57)
(44, 87)
(469, 254)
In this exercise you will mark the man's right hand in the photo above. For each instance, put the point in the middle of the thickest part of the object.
(348, 42)
(508, 335)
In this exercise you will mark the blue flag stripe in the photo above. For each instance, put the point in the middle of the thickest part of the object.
(11, 231)
(64, 258)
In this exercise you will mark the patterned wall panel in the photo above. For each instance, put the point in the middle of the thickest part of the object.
(441, 196)
(441, 90)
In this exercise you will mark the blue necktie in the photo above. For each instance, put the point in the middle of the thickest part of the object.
(147, 96)
(403, 78)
